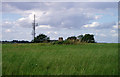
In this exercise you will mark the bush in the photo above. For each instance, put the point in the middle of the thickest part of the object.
(42, 38)
(58, 42)
(88, 38)
(68, 42)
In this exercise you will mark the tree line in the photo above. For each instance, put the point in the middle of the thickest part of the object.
(15, 41)
(87, 38)
(42, 38)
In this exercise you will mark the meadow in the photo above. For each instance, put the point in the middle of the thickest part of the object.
(47, 59)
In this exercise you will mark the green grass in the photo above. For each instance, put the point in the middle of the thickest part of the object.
(46, 59)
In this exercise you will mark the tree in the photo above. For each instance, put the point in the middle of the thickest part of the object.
(80, 37)
(41, 38)
(88, 38)
(72, 38)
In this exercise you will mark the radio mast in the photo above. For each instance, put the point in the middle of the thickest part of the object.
(34, 24)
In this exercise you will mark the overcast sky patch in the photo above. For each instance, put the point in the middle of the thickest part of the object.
(60, 19)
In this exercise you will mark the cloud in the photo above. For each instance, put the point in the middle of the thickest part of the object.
(98, 16)
(62, 15)
(68, 18)
(59, 19)
(105, 25)
(115, 26)
(55, 5)
(103, 35)
(8, 30)
(43, 26)
(93, 24)
(61, 1)
(52, 32)
(113, 31)
(56, 32)
(115, 35)
(7, 24)
(7, 8)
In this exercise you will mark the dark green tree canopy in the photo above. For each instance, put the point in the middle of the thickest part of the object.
(88, 38)
(72, 38)
(41, 38)
(80, 37)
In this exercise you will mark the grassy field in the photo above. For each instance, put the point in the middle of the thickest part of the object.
(45, 59)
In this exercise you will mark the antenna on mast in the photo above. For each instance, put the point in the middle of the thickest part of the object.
(34, 24)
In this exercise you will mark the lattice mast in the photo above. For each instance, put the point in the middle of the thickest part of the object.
(34, 24)
(34, 27)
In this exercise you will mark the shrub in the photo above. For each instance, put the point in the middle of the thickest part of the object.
(42, 38)
(68, 42)
(58, 42)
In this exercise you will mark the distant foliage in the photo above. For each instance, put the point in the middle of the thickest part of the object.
(66, 42)
(80, 37)
(58, 42)
(41, 38)
(88, 38)
(16, 41)
(72, 38)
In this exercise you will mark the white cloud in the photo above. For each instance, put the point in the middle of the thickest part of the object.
(10, 9)
(25, 22)
(93, 24)
(43, 26)
(115, 26)
(98, 17)
(61, 1)
(52, 32)
(8, 30)
(113, 31)
(21, 19)
(56, 32)
(64, 14)
(103, 35)
(8, 24)
(48, 32)
(115, 35)
(57, 19)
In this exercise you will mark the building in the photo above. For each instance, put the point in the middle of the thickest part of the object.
(60, 39)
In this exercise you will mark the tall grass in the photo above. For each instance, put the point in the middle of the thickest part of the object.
(46, 59)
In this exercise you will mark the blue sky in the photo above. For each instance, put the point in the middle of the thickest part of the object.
(60, 19)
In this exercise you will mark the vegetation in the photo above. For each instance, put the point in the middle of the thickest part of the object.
(88, 38)
(80, 37)
(41, 38)
(15, 41)
(47, 59)
(66, 42)
(72, 38)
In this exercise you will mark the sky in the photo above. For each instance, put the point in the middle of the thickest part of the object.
(60, 19)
